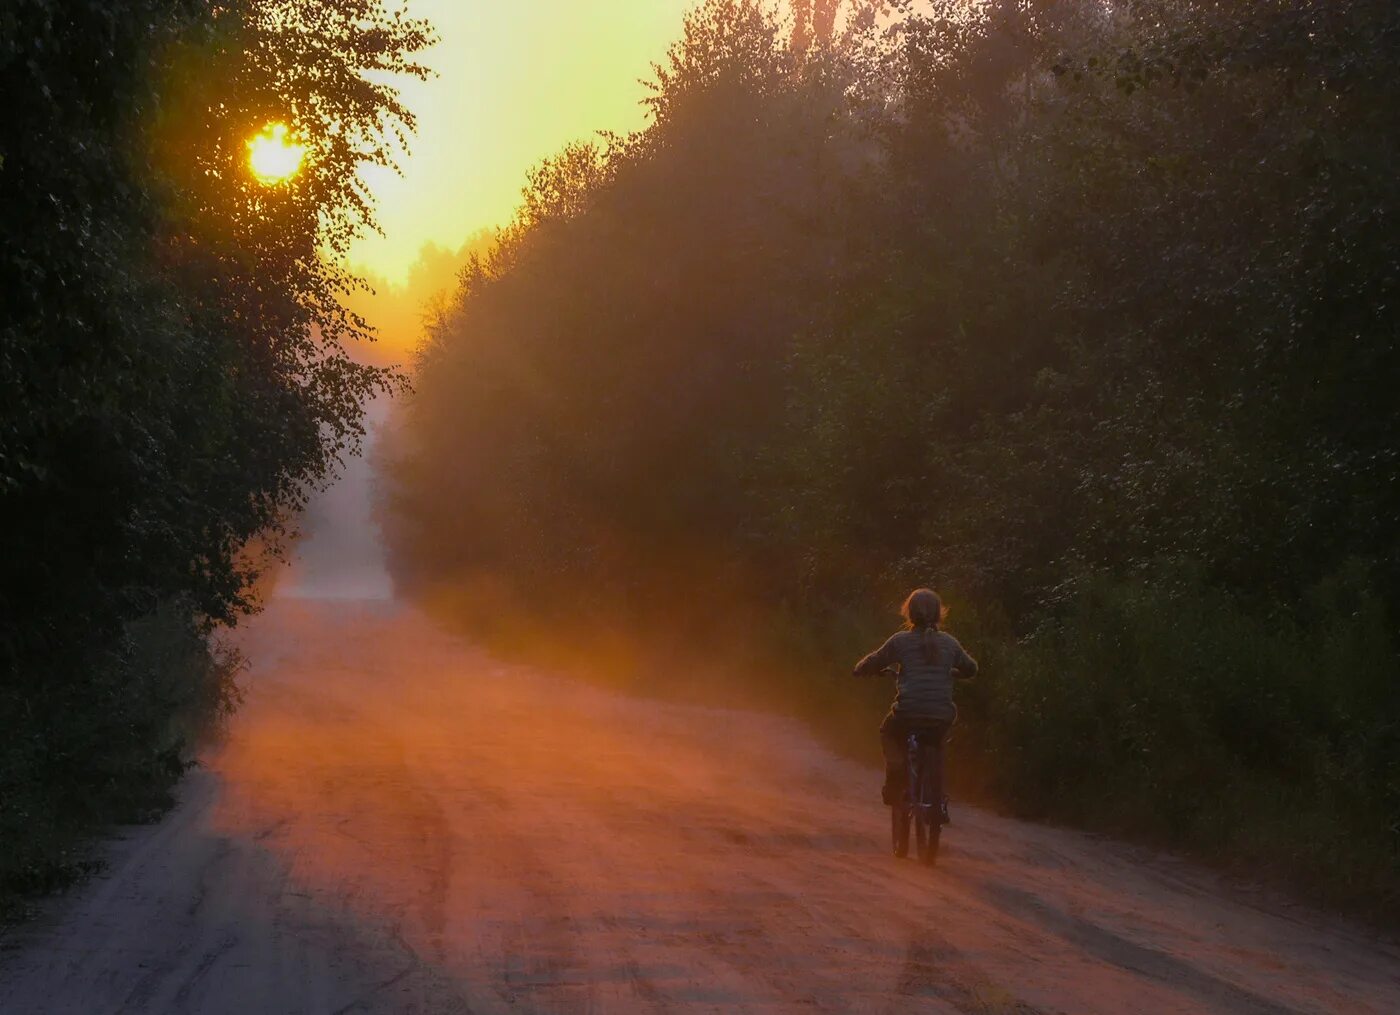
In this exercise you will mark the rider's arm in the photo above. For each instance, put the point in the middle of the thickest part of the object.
(964, 666)
(876, 661)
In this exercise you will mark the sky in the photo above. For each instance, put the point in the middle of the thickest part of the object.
(516, 80)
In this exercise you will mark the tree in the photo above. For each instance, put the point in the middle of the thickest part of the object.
(1086, 314)
(173, 363)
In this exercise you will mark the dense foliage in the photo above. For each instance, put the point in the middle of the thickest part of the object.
(1085, 315)
(173, 373)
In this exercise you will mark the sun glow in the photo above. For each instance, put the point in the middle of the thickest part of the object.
(273, 157)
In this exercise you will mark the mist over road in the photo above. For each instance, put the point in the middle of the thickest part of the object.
(399, 823)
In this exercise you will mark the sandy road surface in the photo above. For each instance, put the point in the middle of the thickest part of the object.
(400, 824)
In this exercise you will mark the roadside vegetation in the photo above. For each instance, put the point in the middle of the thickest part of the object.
(1084, 314)
(173, 373)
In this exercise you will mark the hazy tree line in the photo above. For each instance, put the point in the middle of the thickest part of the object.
(172, 377)
(1084, 313)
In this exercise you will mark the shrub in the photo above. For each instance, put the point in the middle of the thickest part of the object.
(1265, 732)
(105, 749)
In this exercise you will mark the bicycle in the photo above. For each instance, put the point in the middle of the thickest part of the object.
(921, 805)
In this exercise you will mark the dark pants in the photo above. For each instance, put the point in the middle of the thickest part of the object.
(894, 737)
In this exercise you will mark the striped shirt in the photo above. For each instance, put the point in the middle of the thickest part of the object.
(923, 687)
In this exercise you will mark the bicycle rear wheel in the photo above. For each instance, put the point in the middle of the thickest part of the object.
(899, 829)
(928, 816)
(929, 832)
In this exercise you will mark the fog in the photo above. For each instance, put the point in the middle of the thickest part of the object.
(341, 552)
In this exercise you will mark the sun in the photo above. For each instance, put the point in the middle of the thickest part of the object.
(273, 157)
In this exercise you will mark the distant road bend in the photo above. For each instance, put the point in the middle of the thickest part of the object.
(399, 824)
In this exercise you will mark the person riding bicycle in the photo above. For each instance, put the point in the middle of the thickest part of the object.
(927, 660)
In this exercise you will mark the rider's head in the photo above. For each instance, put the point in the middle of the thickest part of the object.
(923, 608)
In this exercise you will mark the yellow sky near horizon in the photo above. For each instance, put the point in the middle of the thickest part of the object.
(515, 82)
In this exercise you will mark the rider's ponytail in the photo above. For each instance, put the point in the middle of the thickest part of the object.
(923, 612)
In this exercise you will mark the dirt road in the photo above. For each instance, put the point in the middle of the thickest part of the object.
(400, 824)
